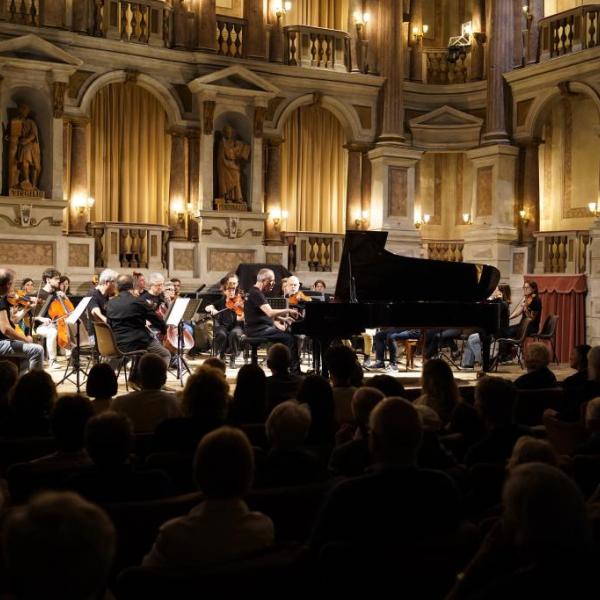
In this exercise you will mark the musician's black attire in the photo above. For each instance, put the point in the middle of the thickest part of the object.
(127, 316)
(227, 331)
(258, 324)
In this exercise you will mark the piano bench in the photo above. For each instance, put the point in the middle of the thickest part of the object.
(254, 343)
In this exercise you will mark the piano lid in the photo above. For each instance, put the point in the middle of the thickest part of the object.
(382, 276)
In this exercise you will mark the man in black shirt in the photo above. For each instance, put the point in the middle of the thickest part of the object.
(11, 341)
(260, 317)
(106, 288)
(127, 316)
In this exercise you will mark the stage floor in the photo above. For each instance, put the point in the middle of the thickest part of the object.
(408, 378)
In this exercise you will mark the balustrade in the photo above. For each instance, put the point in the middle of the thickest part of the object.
(448, 250)
(129, 245)
(561, 251)
(24, 12)
(317, 47)
(314, 252)
(569, 31)
(230, 36)
(440, 69)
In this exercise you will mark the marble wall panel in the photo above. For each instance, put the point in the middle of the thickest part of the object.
(15, 252)
(220, 259)
(484, 191)
(79, 255)
(183, 259)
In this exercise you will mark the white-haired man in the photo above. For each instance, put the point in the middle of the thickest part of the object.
(100, 295)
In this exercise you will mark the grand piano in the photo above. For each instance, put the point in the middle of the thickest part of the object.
(377, 288)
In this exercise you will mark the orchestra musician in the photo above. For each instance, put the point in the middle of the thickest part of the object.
(127, 316)
(260, 317)
(64, 285)
(139, 283)
(23, 317)
(45, 326)
(176, 286)
(319, 286)
(293, 292)
(228, 313)
(11, 340)
(101, 294)
(387, 337)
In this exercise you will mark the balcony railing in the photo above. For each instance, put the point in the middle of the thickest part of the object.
(143, 22)
(449, 250)
(130, 245)
(314, 251)
(569, 31)
(317, 47)
(230, 36)
(24, 12)
(440, 69)
(561, 251)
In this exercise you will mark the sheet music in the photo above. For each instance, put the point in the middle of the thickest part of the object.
(176, 311)
(78, 312)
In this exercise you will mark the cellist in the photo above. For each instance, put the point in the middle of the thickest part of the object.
(45, 327)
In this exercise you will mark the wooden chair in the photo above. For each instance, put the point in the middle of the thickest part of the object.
(108, 349)
(548, 333)
(516, 342)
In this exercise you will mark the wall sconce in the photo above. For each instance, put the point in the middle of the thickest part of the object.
(527, 15)
(523, 216)
(281, 8)
(466, 29)
(361, 19)
(424, 221)
(278, 216)
(419, 32)
(81, 204)
(361, 219)
(466, 217)
(594, 208)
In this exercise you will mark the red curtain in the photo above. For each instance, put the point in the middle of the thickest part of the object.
(563, 295)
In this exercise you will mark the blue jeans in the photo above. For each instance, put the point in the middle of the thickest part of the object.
(31, 355)
(388, 338)
(471, 351)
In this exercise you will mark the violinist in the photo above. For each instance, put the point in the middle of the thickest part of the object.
(11, 340)
(155, 297)
(293, 292)
(26, 301)
(228, 313)
(45, 326)
(100, 295)
(176, 286)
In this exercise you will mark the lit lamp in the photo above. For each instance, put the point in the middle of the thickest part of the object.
(281, 8)
(81, 204)
(361, 219)
(466, 217)
(278, 216)
(419, 32)
(594, 208)
(527, 14)
(523, 216)
(424, 221)
(361, 19)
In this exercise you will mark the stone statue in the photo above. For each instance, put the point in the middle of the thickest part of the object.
(229, 157)
(24, 164)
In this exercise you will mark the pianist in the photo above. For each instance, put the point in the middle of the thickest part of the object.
(260, 317)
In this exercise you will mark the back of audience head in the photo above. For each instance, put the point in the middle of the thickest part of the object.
(537, 356)
(316, 392)
(8, 377)
(429, 418)
(395, 432)
(439, 388)
(544, 511)
(102, 382)
(495, 400)
(205, 395)
(341, 362)
(528, 449)
(33, 395)
(68, 420)
(59, 546)
(152, 372)
(593, 358)
(592, 415)
(224, 464)
(279, 359)
(388, 385)
(216, 363)
(249, 397)
(579, 357)
(109, 439)
(288, 424)
(364, 400)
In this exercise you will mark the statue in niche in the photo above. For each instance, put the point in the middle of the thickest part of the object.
(24, 161)
(230, 155)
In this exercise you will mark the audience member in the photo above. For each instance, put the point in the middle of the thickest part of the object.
(204, 408)
(216, 363)
(538, 376)
(388, 385)
(317, 394)
(576, 396)
(577, 360)
(30, 404)
(109, 440)
(495, 401)
(529, 449)
(150, 405)
(592, 425)
(221, 528)
(249, 398)
(101, 386)
(58, 547)
(8, 377)
(341, 362)
(281, 385)
(351, 458)
(432, 453)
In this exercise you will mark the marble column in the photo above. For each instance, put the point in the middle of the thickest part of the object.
(255, 39)
(478, 39)
(365, 183)
(530, 196)
(276, 38)
(416, 42)
(500, 59)
(177, 197)
(79, 190)
(355, 31)
(193, 142)
(272, 186)
(536, 10)
(353, 187)
(207, 25)
(181, 38)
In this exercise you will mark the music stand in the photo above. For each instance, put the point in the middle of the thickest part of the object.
(181, 310)
(73, 321)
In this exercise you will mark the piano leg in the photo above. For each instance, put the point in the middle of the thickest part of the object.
(486, 342)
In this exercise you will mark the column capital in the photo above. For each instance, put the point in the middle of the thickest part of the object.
(361, 147)
(76, 121)
(273, 141)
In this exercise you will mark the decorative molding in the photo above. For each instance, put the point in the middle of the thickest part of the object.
(22, 222)
(364, 115)
(131, 76)
(523, 107)
(259, 120)
(208, 113)
(58, 99)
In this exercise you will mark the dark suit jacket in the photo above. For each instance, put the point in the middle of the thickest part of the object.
(540, 379)
(127, 316)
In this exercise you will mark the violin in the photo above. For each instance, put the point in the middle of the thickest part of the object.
(21, 298)
(299, 296)
(236, 304)
(58, 311)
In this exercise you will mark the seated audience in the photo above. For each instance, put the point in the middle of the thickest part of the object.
(440, 392)
(101, 386)
(351, 458)
(150, 405)
(8, 377)
(220, 528)
(577, 360)
(109, 441)
(30, 404)
(287, 462)
(388, 385)
(281, 385)
(541, 546)
(215, 363)
(342, 364)
(248, 404)
(529, 449)
(317, 394)
(432, 453)
(204, 408)
(577, 395)
(495, 400)
(592, 425)
(394, 505)
(58, 547)
(538, 376)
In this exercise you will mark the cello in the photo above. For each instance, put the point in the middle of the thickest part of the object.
(58, 311)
